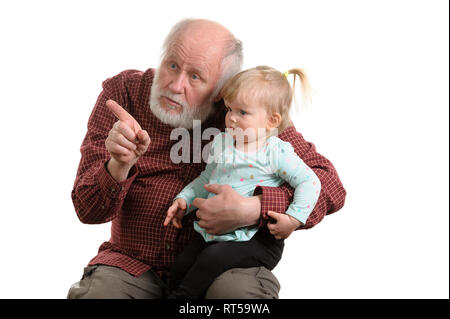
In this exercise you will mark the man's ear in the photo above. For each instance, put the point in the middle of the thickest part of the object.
(274, 120)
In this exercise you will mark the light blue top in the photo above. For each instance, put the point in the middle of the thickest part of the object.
(273, 164)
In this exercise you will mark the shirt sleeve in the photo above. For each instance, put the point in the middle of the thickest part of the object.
(332, 194)
(195, 188)
(287, 165)
(96, 195)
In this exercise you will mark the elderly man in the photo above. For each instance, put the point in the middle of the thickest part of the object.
(126, 174)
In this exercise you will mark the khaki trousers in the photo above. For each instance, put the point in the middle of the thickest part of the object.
(106, 282)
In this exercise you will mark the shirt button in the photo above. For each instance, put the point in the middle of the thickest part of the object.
(113, 190)
(167, 246)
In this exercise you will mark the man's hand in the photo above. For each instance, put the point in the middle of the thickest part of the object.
(126, 142)
(227, 210)
(175, 213)
(284, 226)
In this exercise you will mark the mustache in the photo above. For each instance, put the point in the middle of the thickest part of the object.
(173, 97)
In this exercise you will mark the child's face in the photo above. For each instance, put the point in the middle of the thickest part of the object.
(252, 119)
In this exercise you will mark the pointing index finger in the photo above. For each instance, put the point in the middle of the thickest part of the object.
(119, 111)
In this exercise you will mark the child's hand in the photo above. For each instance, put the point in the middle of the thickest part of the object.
(285, 225)
(176, 212)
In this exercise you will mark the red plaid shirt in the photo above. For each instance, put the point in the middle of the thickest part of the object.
(137, 206)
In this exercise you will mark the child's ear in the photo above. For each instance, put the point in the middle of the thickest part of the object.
(274, 120)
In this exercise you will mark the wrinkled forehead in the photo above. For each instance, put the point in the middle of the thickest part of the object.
(198, 55)
(196, 49)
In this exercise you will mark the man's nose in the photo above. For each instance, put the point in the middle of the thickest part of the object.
(177, 85)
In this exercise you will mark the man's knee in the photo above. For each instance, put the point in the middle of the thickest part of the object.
(245, 283)
(106, 282)
(95, 284)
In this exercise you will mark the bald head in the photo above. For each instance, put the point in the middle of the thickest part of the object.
(206, 31)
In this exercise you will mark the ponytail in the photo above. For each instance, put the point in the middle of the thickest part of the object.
(306, 87)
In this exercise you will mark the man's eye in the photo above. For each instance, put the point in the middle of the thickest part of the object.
(173, 66)
(195, 77)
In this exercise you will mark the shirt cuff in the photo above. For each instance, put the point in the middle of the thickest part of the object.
(190, 207)
(274, 199)
(110, 187)
(301, 217)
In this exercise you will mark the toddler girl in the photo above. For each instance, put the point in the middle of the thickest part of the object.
(247, 155)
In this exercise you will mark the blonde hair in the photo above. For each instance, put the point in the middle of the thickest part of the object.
(267, 87)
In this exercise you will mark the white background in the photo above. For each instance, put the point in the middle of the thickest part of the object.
(380, 114)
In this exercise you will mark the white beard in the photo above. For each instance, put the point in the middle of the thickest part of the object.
(188, 113)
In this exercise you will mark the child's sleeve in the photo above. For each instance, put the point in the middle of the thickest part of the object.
(195, 188)
(288, 166)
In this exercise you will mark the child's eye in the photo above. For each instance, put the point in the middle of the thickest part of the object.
(243, 112)
(227, 109)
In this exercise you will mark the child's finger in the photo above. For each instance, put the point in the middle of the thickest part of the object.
(177, 223)
(174, 205)
(170, 211)
(167, 220)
